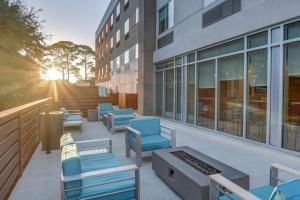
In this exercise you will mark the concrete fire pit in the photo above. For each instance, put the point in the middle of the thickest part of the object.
(186, 171)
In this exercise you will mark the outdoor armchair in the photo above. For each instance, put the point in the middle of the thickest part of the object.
(103, 109)
(87, 174)
(286, 190)
(147, 134)
(120, 119)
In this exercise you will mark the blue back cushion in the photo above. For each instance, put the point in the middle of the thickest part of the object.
(128, 111)
(71, 166)
(105, 107)
(287, 191)
(147, 125)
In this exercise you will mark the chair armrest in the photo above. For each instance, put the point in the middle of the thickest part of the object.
(102, 172)
(108, 140)
(217, 183)
(274, 173)
(133, 131)
(172, 133)
(72, 111)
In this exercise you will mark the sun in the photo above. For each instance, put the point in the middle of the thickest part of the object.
(53, 74)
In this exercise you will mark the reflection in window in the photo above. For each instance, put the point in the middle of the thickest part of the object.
(257, 95)
(292, 30)
(190, 94)
(159, 91)
(258, 39)
(231, 86)
(178, 93)
(169, 88)
(291, 115)
(206, 94)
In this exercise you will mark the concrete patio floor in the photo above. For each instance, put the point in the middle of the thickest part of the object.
(41, 177)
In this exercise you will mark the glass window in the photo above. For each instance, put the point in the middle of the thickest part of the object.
(291, 115)
(171, 14)
(191, 58)
(178, 93)
(178, 61)
(275, 34)
(126, 27)
(230, 47)
(190, 101)
(169, 93)
(258, 39)
(166, 16)
(206, 94)
(292, 30)
(231, 87)
(118, 36)
(112, 42)
(137, 15)
(207, 2)
(112, 20)
(126, 57)
(136, 51)
(159, 91)
(257, 95)
(163, 22)
(118, 10)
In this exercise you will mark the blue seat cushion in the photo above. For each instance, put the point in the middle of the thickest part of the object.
(146, 125)
(287, 191)
(123, 121)
(98, 162)
(71, 166)
(150, 143)
(263, 193)
(128, 111)
(73, 118)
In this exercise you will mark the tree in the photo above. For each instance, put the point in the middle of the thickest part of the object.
(86, 60)
(20, 30)
(62, 54)
(22, 44)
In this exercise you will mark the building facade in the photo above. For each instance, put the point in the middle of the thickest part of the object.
(125, 41)
(231, 67)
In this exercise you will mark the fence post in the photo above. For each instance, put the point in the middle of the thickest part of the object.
(20, 143)
(47, 129)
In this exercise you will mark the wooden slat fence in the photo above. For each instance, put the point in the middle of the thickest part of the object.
(19, 137)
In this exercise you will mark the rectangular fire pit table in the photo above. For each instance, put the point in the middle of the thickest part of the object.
(186, 171)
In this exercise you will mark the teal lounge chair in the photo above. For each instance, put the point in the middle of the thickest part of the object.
(103, 109)
(94, 174)
(286, 190)
(147, 134)
(120, 119)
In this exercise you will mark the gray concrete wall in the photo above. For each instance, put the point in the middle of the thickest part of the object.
(189, 34)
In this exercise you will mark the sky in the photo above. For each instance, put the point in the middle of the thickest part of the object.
(73, 20)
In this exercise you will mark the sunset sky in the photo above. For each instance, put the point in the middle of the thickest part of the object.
(75, 20)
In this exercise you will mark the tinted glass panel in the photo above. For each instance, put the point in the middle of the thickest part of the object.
(178, 93)
(191, 58)
(206, 94)
(231, 83)
(178, 61)
(230, 47)
(275, 35)
(292, 30)
(258, 39)
(163, 22)
(159, 91)
(291, 123)
(169, 88)
(257, 95)
(190, 94)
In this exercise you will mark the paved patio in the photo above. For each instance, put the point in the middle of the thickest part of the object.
(40, 179)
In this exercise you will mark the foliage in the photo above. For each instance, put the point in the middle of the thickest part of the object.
(68, 58)
(22, 43)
